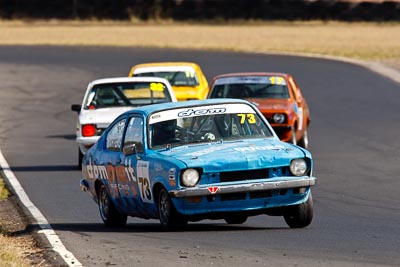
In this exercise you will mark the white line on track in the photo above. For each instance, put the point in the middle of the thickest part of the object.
(46, 228)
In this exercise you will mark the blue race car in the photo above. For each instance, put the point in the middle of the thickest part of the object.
(194, 160)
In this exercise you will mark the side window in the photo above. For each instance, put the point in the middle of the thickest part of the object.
(134, 132)
(114, 136)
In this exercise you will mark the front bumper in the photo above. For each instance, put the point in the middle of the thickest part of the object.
(283, 183)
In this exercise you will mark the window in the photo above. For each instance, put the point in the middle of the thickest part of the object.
(178, 78)
(134, 132)
(222, 123)
(114, 136)
(127, 94)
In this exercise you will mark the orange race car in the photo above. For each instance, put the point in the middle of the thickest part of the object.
(276, 95)
(186, 78)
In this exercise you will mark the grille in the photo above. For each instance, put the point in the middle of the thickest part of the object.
(235, 176)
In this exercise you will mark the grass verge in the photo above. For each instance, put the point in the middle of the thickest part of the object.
(17, 248)
(366, 41)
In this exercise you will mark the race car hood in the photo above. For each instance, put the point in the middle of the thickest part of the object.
(237, 155)
(271, 104)
(102, 116)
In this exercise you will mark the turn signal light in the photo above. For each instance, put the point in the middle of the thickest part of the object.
(88, 130)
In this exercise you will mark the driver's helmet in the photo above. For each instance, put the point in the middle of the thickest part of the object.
(163, 131)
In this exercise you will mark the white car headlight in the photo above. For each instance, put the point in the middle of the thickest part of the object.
(298, 167)
(279, 118)
(190, 177)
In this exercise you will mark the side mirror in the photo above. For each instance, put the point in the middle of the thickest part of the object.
(76, 107)
(132, 148)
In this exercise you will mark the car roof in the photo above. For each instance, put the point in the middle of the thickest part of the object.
(171, 63)
(146, 110)
(128, 79)
(241, 74)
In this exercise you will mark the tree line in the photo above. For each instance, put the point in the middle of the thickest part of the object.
(201, 10)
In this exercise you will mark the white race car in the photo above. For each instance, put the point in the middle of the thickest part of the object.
(105, 99)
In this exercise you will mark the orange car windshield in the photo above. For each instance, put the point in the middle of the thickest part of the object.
(251, 87)
(250, 91)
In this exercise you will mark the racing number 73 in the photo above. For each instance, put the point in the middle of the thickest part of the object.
(144, 186)
(250, 118)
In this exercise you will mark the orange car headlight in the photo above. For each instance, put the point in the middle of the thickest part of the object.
(279, 118)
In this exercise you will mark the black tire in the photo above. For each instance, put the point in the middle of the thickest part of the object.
(109, 214)
(80, 158)
(236, 219)
(169, 217)
(303, 142)
(300, 216)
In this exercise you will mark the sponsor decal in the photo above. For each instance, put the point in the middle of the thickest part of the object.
(144, 181)
(130, 172)
(171, 177)
(96, 171)
(158, 167)
(213, 189)
(258, 148)
(295, 108)
(197, 112)
(210, 150)
(200, 111)
(171, 173)
(252, 80)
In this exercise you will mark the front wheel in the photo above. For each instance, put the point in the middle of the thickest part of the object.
(303, 142)
(293, 139)
(109, 214)
(301, 215)
(169, 217)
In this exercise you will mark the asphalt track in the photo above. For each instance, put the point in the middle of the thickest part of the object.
(354, 139)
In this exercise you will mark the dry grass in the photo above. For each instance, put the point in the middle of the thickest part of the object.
(16, 250)
(13, 252)
(3, 190)
(367, 41)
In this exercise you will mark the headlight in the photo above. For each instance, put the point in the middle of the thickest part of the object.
(190, 177)
(298, 167)
(279, 118)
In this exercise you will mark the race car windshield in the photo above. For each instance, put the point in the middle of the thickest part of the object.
(250, 87)
(127, 94)
(175, 78)
(213, 127)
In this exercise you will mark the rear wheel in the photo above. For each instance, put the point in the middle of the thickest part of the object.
(236, 219)
(301, 215)
(109, 214)
(169, 217)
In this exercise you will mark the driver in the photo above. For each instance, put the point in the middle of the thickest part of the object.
(163, 132)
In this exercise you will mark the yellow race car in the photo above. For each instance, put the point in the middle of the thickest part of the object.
(186, 78)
